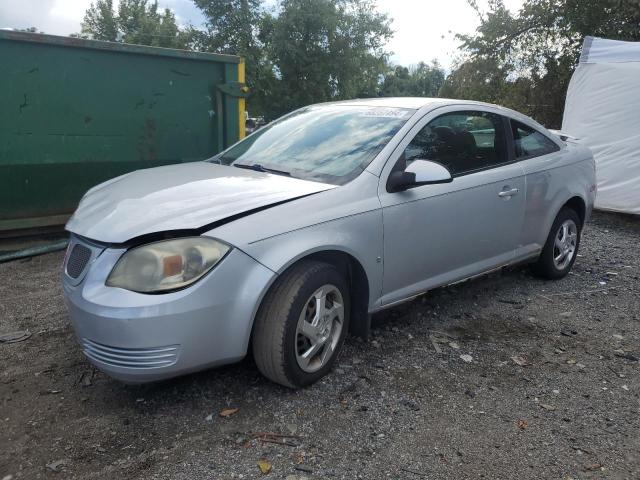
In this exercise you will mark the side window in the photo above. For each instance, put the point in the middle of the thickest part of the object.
(461, 141)
(530, 142)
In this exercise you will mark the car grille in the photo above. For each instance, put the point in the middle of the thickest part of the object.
(78, 259)
(131, 357)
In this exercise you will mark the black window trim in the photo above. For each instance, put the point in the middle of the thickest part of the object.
(508, 140)
(513, 141)
(506, 126)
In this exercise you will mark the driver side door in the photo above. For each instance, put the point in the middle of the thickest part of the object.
(438, 234)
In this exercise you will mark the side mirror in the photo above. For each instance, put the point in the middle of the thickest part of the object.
(419, 172)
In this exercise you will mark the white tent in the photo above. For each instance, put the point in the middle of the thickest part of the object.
(603, 111)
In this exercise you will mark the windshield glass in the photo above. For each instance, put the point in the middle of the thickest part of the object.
(326, 143)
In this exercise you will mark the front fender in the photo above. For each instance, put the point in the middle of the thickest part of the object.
(357, 235)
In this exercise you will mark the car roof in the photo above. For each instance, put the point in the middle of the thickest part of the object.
(428, 103)
(393, 102)
(415, 103)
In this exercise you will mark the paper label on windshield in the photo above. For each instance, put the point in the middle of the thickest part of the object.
(386, 112)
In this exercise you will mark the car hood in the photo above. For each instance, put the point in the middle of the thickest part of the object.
(179, 197)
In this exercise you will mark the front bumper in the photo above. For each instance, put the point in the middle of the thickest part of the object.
(137, 338)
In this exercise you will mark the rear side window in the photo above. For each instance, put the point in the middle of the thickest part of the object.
(463, 142)
(531, 143)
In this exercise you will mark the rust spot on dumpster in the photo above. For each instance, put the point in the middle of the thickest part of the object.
(24, 104)
(150, 129)
(150, 126)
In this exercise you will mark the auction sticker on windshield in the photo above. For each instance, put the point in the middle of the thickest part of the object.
(387, 112)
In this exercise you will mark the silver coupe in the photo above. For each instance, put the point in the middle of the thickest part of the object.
(294, 236)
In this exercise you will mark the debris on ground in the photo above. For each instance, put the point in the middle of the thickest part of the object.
(227, 412)
(15, 337)
(58, 465)
(303, 468)
(276, 438)
(434, 342)
(410, 404)
(568, 333)
(625, 355)
(523, 362)
(264, 466)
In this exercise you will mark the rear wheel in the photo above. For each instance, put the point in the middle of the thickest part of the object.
(561, 248)
(301, 324)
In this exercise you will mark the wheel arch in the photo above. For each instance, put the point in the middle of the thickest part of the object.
(356, 276)
(568, 199)
(577, 204)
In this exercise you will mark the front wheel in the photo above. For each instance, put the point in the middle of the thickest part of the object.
(301, 324)
(561, 248)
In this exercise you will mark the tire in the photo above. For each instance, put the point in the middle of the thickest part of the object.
(293, 304)
(547, 265)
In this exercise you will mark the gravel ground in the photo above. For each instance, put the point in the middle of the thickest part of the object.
(503, 377)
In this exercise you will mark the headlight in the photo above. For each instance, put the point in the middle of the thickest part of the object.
(166, 265)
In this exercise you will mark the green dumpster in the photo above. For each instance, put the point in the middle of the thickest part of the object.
(75, 112)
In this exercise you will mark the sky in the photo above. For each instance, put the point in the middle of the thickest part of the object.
(424, 29)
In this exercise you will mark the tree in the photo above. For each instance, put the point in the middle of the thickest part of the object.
(420, 80)
(233, 27)
(325, 50)
(301, 52)
(230, 27)
(100, 21)
(525, 60)
(137, 21)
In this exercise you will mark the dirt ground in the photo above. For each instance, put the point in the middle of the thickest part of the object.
(504, 377)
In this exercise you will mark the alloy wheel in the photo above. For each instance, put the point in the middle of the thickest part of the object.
(319, 328)
(564, 247)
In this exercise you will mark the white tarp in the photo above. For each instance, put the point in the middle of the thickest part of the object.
(603, 111)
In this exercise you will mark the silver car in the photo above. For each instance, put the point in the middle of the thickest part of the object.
(293, 237)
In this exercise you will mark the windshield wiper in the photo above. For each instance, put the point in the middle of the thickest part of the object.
(259, 168)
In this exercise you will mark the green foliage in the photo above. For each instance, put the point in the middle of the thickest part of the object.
(525, 60)
(327, 50)
(233, 27)
(137, 21)
(302, 52)
(420, 80)
(230, 26)
(100, 21)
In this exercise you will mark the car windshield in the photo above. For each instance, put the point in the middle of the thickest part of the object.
(325, 143)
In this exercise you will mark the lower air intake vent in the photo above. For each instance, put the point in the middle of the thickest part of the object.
(131, 357)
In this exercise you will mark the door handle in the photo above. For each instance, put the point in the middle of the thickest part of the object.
(508, 193)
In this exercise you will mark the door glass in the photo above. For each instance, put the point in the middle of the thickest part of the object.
(461, 141)
(530, 142)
